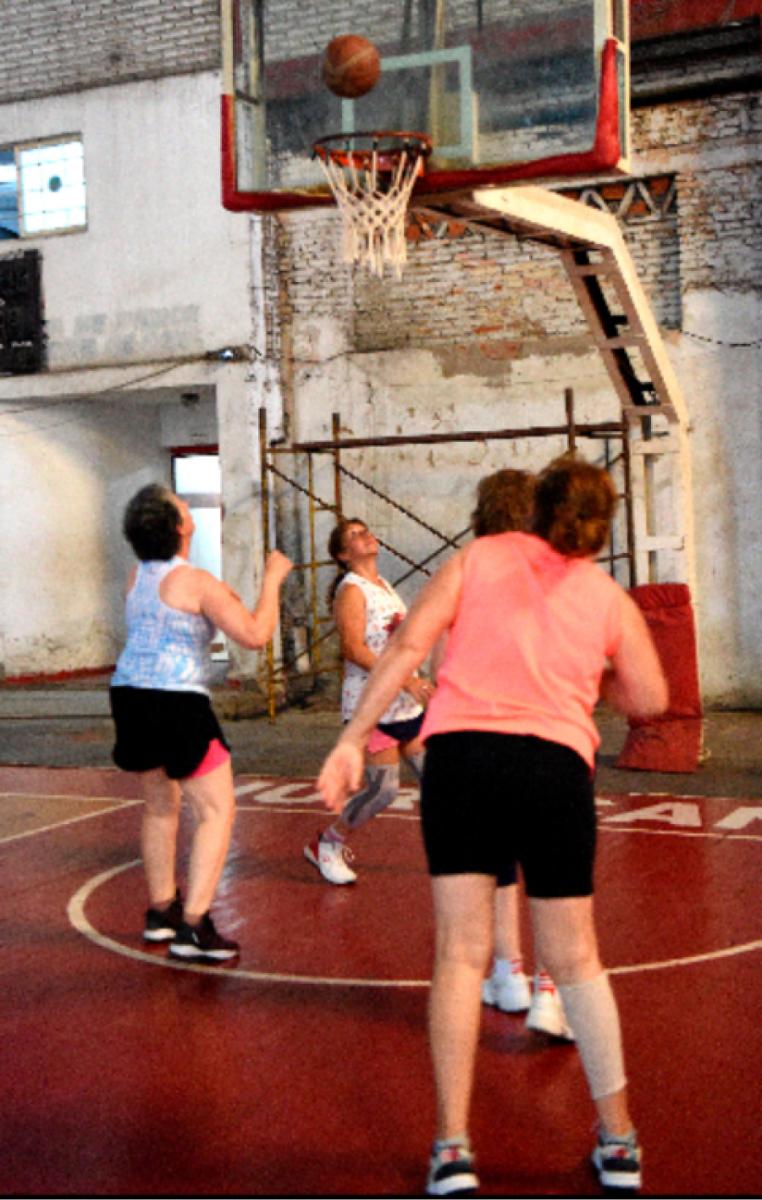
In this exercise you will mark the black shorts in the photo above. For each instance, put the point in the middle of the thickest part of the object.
(162, 729)
(490, 800)
(403, 731)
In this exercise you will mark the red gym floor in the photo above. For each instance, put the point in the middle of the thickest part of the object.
(304, 1071)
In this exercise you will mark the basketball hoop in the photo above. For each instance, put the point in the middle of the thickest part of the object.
(371, 176)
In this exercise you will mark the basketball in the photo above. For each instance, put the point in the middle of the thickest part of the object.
(351, 66)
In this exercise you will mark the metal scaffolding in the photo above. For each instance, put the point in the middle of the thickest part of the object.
(318, 624)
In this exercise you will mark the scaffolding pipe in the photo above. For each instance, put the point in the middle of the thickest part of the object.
(571, 431)
(265, 494)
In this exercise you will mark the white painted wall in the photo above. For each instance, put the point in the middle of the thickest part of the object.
(162, 269)
(723, 384)
(133, 305)
(406, 392)
(63, 488)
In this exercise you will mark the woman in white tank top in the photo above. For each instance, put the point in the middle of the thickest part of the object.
(367, 611)
(166, 730)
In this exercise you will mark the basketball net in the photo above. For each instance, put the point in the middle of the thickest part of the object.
(371, 176)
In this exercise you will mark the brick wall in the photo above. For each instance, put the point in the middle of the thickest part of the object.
(464, 288)
(52, 46)
(698, 226)
(298, 30)
(716, 147)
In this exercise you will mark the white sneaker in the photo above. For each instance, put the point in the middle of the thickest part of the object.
(546, 1014)
(331, 860)
(509, 994)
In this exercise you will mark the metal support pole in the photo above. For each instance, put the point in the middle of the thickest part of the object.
(335, 432)
(264, 484)
(628, 512)
(571, 435)
(314, 618)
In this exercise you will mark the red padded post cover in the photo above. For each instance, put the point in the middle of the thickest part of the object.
(672, 741)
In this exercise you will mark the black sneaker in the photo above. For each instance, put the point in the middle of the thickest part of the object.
(617, 1161)
(451, 1171)
(161, 925)
(202, 943)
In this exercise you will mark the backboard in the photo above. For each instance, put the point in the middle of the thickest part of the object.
(508, 90)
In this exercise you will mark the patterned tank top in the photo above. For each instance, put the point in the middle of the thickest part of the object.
(166, 649)
(384, 611)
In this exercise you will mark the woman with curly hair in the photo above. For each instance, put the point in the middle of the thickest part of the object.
(536, 632)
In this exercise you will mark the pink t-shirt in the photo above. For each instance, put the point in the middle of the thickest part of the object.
(529, 644)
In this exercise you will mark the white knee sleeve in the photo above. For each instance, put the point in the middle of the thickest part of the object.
(593, 1015)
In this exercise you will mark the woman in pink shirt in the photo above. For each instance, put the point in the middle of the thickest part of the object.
(535, 633)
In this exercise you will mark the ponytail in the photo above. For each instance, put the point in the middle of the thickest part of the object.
(574, 504)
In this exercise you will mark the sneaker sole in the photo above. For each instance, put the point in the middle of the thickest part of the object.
(555, 1031)
(626, 1183)
(313, 858)
(159, 935)
(488, 997)
(191, 954)
(457, 1185)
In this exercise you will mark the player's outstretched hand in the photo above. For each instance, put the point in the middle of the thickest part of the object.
(341, 775)
(420, 689)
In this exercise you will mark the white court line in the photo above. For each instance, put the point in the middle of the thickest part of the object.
(285, 810)
(717, 835)
(17, 837)
(76, 914)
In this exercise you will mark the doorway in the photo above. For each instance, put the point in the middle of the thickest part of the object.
(196, 479)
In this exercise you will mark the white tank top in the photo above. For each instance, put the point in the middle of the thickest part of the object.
(166, 649)
(384, 611)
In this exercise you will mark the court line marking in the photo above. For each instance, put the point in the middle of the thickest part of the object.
(76, 914)
(285, 809)
(718, 835)
(101, 812)
(75, 911)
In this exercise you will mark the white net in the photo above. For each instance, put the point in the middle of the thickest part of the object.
(372, 188)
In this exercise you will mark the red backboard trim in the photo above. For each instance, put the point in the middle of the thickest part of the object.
(603, 156)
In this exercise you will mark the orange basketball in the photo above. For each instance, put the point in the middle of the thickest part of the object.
(351, 65)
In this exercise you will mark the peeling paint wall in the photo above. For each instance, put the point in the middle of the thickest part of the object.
(715, 148)
(481, 333)
(72, 471)
(156, 273)
(136, 307)
(484, 332)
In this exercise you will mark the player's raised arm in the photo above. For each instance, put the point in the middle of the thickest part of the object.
(250, 628)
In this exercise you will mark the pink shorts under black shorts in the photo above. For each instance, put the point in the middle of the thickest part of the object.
(215, 756)
(389, 736)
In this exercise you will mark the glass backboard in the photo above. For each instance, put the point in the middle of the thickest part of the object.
(508, 90)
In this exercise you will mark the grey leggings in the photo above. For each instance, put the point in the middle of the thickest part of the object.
(382, 783)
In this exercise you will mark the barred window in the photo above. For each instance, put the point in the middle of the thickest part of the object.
(42, 188)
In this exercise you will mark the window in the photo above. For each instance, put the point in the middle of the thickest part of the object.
(42, 188)
(196, 478)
